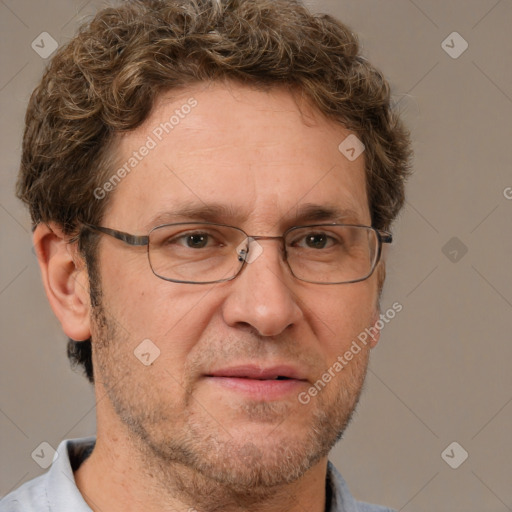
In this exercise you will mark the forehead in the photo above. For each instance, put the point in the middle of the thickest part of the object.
(249, 156)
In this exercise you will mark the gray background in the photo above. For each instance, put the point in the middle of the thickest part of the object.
(442, 370)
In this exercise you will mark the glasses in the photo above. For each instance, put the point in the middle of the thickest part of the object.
(205, 253)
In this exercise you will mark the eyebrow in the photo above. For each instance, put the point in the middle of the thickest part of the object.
(222, 214)
(311, 212)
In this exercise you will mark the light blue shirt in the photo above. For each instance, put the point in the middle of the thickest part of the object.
(56, 490)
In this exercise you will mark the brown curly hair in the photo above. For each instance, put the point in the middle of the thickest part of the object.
(106, 79)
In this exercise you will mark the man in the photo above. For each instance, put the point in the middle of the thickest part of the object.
(211, 185)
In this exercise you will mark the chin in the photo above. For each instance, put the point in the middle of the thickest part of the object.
(251, 465)
(252, 456)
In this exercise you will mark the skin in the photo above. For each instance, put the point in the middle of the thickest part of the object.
(168, 438)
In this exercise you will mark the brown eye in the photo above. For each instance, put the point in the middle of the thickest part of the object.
(316, 241)
(196, 241)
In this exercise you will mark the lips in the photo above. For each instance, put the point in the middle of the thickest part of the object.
(257, 382)
(252, 372)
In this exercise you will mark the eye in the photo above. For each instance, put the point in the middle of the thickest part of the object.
(195, 240)
(186, 239)
(318, 240)
(189, 240)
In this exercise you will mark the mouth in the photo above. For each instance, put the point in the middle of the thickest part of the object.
(276, 372)
(261, 383)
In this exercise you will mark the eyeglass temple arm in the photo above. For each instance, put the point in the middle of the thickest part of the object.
(121, 235)
(385, 237)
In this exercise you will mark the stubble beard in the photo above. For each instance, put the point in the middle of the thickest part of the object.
(199, 462)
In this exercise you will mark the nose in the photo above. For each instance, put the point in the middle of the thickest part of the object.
(262, 295)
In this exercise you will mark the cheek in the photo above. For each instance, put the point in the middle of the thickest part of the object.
(173, 316)
(341, 315)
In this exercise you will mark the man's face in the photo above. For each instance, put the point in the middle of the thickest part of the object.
(252, 153)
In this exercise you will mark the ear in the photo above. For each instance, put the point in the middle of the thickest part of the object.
(65, 279)
(384, 254)
(380, 273)
(375, 337)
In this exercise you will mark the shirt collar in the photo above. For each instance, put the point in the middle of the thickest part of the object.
(61, 490)
(341, 499)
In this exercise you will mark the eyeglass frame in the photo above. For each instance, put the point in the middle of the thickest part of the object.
(383, 237)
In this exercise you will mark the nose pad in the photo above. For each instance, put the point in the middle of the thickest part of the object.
(249, 250)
